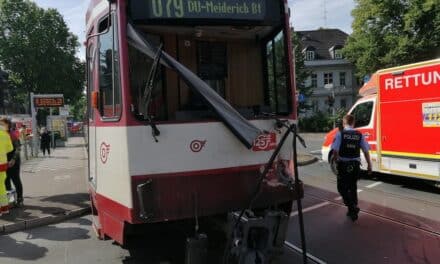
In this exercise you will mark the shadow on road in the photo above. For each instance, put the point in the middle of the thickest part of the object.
(157, 247)
(53, 205)
(54, 233)
(77, 199)
(23, 250)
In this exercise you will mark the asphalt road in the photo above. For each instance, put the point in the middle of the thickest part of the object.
(313, 143)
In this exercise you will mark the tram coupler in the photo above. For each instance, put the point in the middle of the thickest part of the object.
(145, 193)
(196, 249)
(256, 239)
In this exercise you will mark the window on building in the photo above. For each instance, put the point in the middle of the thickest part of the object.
(328, 78)
(362, 114)
(310, 55)
(315, 105)
(338, 54)
(109, 88)
(342, 78)
(314, 78)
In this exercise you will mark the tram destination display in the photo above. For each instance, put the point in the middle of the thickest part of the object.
(244, 10)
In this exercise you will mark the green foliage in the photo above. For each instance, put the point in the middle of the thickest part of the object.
(321, 121)
(38, 50)
(301, 73)
(78, 109)
(393, 32)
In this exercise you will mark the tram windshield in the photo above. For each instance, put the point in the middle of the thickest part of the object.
(238, 49)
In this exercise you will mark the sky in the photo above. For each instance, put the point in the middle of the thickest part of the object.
(306, 15)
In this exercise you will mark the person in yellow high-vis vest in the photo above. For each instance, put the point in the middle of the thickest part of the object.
(5, 148)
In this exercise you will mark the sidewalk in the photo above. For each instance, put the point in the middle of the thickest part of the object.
(55, 188)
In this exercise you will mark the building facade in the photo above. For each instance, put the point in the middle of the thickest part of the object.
(332, 77)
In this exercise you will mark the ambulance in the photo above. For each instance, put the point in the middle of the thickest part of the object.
(399, 115)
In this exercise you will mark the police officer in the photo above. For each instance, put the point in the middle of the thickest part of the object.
(346, 149)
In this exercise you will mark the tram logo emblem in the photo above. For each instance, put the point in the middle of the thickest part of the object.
(197, 145)
(265, 142)
(104, 152)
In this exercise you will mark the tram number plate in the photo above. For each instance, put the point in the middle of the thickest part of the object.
(265, 142)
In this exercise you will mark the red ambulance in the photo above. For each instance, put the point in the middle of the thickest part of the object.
(399, 115)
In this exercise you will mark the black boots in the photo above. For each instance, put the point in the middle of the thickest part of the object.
(353, 213)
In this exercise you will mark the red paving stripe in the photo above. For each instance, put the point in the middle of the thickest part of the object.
(389, 214)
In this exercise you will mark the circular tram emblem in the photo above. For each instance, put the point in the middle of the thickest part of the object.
(104, 152)
(197, 145)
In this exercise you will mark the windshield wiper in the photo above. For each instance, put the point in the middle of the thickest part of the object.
(147, 95)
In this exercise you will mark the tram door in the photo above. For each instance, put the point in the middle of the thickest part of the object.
(212, 64)
(91, 134)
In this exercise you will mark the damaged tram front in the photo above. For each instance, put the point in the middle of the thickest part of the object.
(183, 95)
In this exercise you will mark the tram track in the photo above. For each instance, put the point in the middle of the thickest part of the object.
(377, 215)
(310, 258)
(388, 193)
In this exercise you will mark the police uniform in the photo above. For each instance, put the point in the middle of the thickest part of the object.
(348, 143)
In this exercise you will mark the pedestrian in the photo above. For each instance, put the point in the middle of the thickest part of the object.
(346, 148)
(5, 148)
(23, 140)
(45, 141)
(14, 161)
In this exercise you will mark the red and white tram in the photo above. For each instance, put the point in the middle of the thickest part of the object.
(176, 91)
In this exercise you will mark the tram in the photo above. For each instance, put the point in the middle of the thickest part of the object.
(179, 93)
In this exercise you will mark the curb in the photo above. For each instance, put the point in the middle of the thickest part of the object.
(43, 221)
(311, 159)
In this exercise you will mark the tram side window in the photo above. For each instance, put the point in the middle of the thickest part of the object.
(362, 114)
(109, 88)
(278, 95)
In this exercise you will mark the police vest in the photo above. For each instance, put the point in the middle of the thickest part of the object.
(350, 144)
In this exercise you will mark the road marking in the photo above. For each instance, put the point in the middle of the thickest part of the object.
(374, 184)
(310, 256)
(315, 151)
(308, 209)
(340, 197)
(61, 178)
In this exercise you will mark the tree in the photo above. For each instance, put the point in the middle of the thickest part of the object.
(78, 108)
(393, 32)
(38, 50)
(301, 74)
